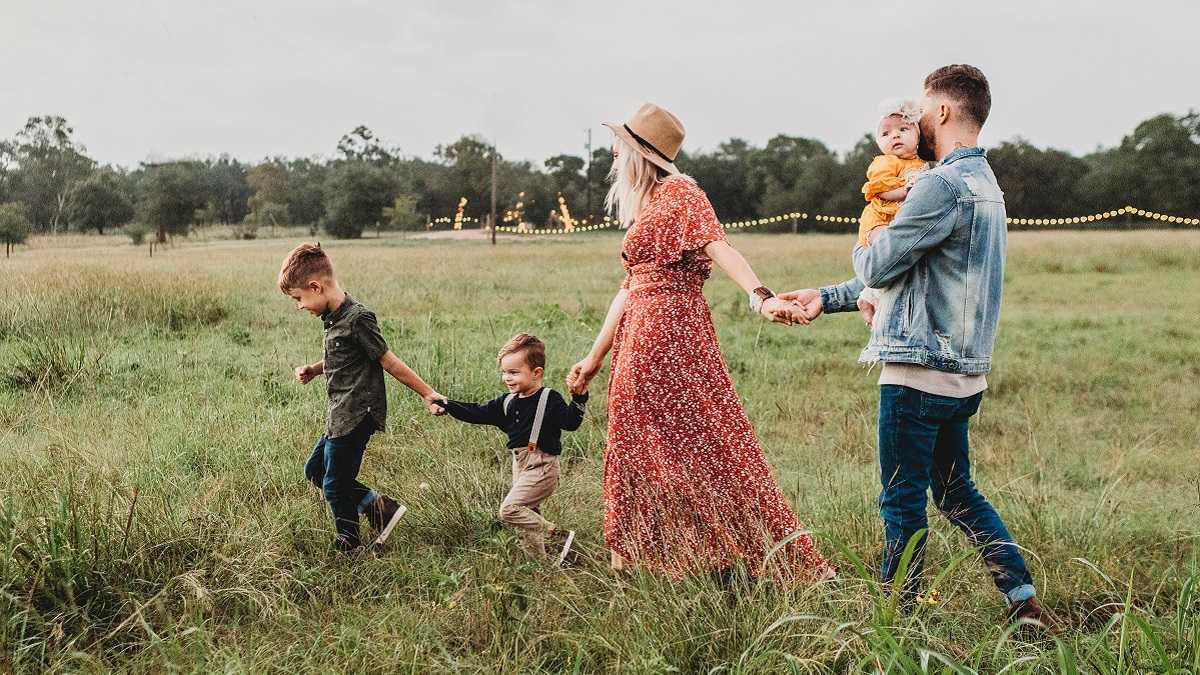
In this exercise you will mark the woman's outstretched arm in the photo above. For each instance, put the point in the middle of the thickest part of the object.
(583, 372)
(733, 264)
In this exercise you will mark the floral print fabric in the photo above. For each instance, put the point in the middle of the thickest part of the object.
(687, 488)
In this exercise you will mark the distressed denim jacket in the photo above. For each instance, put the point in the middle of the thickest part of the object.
(940, 265)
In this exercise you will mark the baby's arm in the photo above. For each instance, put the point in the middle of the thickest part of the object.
(897, 195)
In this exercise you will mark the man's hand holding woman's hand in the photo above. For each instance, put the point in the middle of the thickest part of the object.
(782, 311)
(804, 305)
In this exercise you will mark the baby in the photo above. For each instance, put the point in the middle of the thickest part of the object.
(888, 180)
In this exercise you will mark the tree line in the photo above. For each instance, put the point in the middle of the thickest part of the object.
(49, 184)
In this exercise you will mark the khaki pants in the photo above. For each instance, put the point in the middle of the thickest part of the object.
(535, 475)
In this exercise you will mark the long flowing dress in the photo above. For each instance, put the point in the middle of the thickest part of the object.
(687, 488)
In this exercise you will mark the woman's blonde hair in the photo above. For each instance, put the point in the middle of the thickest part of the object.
(633, 181)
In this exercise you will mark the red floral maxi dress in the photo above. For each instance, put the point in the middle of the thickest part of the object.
(687, 488)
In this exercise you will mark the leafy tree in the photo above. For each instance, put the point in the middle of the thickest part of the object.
(306, 180)
(14, 225)
(598, 177)
(356, 195)
(791, 172)
(724, 175)
(170, 195)
(566, 176)
(226, 190)
(402, 214)
(513, 178)
(1157, 166)
(1037, 182)
(48, 163)
(362, 145)
(268, 205)
(420, 178)
(269, 181)
(467, 172)
(270, 213)
(846, 179)
(99, 202)
(8, 168)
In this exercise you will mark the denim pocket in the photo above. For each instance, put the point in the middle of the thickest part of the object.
(906, 310)
(939, 407)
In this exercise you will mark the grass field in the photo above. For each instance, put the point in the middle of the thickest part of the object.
(154, 514)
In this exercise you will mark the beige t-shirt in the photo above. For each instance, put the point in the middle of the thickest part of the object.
(932, 381)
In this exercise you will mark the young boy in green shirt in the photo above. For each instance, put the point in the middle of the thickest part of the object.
(355, 358)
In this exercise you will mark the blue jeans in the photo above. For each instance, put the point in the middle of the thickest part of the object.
(923, 445)
(333, 467)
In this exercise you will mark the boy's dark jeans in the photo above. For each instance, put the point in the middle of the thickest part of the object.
(923, 445)
(333, 467)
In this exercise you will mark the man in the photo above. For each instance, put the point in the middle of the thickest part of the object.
(941, 267)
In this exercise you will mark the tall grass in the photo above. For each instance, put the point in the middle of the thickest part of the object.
(154, 517)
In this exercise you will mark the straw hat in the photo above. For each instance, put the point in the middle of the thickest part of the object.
(655, 133)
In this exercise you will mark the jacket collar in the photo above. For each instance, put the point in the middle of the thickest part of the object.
(959, 153)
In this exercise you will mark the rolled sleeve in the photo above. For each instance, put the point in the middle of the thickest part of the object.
(842, 297)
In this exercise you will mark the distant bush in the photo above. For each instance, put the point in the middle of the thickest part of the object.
(99, 202)
(14, 225)
(136, 232)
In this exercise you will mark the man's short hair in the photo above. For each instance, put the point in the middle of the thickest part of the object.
(534, 349)
(305, 263)
(967, 86)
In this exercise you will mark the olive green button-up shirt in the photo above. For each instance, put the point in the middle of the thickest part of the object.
(353, 375)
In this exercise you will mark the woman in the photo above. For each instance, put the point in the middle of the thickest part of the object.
(686, 486)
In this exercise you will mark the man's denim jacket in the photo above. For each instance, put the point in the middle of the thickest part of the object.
(940, 265)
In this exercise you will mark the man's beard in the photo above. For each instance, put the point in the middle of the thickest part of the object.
(925, 147)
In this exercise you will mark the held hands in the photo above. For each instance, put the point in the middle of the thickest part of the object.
(582, 373)
(782, 311)
(434, 402)
(804, 305)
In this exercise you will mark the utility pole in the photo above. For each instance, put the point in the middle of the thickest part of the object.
(492, 220)
(589, 171)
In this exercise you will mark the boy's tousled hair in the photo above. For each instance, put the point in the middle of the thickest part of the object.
(967, 86)
(305, 263)
(534, 349)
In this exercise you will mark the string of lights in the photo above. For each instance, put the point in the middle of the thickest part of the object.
(609, 223)
(1107, 215)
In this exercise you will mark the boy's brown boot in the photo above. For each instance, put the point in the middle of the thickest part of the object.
(382, 516)
(1032, 610)
(564, 539)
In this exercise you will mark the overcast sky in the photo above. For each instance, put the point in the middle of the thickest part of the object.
(168, 78)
